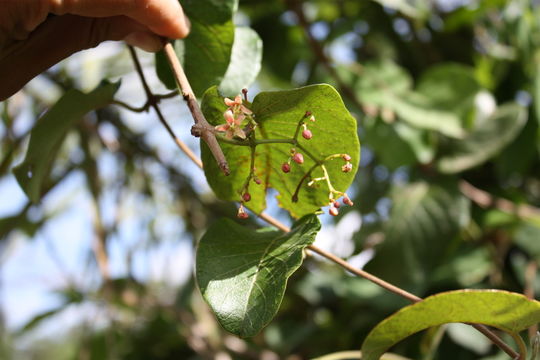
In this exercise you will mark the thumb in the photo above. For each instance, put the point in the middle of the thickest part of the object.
(60, 37)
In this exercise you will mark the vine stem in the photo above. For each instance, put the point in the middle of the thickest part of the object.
(272, 221)
(201, 128)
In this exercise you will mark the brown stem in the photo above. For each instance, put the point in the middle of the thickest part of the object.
(318, 50)
(150, 96)
(486, 200)
(530, 279)
(154, 99)
(201, 128)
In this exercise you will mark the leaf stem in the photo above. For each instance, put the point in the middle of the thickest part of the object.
(201, 128)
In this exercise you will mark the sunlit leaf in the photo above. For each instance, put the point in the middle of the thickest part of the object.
(243, 273)
(504, 310)
(278, 114)
(245, 62)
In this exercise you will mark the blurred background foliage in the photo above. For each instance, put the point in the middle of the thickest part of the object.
(447, 98)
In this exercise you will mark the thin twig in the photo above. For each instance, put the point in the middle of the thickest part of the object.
(318, 50)
(155, 99)
(149, 95)
(486, 200)
(201, 128)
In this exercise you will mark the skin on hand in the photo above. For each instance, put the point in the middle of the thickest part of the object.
(31, 42)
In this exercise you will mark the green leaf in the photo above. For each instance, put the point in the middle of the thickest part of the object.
(48, 135)
(504, 310)
(278, 114)
(245, 62)
(423, 220)
(484, 142)
(450, 86)
(206, 52)
(243, 273)
(384, 84)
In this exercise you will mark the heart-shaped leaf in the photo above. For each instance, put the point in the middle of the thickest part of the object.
(504, 310)
(243, 273)
(278, 114)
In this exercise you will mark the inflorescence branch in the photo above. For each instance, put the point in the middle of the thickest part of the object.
(272, 221)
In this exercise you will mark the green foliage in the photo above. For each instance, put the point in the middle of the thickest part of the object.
(484, 141)
(506, 311)
(245, 62)
(242, 273)
(423, 220)
(278, 115)
(49, 134)
(206, 52)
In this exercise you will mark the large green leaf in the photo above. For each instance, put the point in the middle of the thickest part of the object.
(245, 62)
(277, 114)
(243, 273)
(506, 311)
(206, 52)
(423, 220)
(484, 142)
(49, 133)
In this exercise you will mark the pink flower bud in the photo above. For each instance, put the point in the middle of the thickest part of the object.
(246, 197)
(306, 134)
(308, 113)
(257, 181)
(298, 158)
(346, 157)
(336, 204)
(347, 201)
(333, 211)
(242, 214)
(285, 167)
(312, 118)
(347, 167)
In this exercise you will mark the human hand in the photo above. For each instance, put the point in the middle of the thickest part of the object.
(31, 41)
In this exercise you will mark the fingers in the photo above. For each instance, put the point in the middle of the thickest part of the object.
(164, 17)
(60, 37)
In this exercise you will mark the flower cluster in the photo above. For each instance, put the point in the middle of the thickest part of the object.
(335, 205)
(296, 157)
(234, 117)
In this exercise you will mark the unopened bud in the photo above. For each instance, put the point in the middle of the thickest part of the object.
(333, 211)
(298, 158)
(347, 167)
(285, 167)
(257, 181)
(246, 197)
(242, 214)
(347, 200)
(336, 204)
(306, 134)
(346, 157)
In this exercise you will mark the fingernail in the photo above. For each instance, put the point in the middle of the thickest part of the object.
(144, 40)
